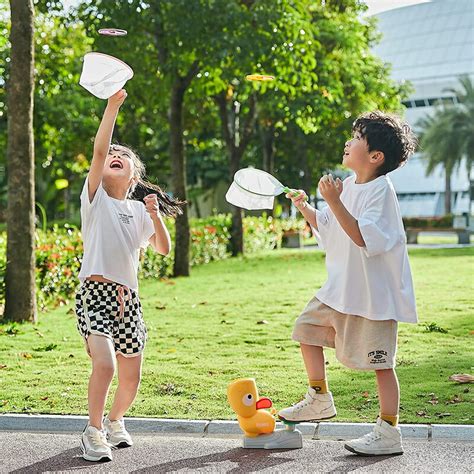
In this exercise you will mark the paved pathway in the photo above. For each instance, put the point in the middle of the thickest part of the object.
(22, 452)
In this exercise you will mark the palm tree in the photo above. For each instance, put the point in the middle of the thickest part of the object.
(447, 137)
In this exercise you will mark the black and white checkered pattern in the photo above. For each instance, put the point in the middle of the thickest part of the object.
(98, 312)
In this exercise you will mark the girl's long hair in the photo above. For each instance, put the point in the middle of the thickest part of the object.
(169, 206)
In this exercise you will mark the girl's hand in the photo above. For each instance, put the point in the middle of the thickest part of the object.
(151, 205)
(298, 197)
(330, 189)
(117, 99)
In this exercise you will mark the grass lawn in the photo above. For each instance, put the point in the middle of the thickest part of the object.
(234, 319)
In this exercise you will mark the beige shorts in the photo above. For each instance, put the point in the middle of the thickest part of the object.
(360, 343)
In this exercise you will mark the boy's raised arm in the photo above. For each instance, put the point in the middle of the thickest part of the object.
(102, 141)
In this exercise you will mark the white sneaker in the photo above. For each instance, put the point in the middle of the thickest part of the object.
(384, 439)
(314, 407)
(117, 435)
(94, 445)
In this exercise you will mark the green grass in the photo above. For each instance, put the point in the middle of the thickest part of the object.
(424, 238)
(206, 330)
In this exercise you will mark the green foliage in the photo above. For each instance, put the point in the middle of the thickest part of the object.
(433, 327)
(59, 252)
(318, 51)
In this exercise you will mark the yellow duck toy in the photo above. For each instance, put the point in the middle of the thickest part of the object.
(242, 395)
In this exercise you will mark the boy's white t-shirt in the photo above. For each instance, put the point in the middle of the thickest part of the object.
(372, 281)
(113, 231)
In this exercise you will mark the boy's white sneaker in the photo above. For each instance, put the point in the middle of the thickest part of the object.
(94, 445)
(117, 435)
(314, 407)
(384, 439)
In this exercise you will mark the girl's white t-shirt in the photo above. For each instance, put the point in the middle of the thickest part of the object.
(373, 281)
(113, 231)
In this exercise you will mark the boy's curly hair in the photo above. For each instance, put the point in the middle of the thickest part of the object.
(390, 135)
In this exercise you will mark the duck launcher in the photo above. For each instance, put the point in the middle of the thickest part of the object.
(257, 423)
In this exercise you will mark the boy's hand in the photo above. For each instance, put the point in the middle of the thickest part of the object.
(117, 99)
(330, 189)
(151, 204)
(298, 197)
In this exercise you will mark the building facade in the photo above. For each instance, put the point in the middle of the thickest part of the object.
(430, 45)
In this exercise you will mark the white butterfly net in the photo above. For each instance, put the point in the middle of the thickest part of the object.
(103, 75)
(253, 189)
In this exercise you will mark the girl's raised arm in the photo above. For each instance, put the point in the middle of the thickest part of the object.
(103, 139)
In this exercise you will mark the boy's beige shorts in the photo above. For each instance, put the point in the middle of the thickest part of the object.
(360, 343)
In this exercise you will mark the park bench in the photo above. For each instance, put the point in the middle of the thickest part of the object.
(462, 233)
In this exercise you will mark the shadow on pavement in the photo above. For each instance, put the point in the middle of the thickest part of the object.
(247, 460)
(67, 460)
(351, 462)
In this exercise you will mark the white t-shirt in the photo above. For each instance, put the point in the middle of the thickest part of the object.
(372, 281)
(113, 231)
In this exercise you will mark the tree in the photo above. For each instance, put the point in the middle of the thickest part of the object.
(447, 137)
(20, 302)
(174, 41)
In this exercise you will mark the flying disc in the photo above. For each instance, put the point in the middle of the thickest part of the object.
(112, 32)
(259, 77)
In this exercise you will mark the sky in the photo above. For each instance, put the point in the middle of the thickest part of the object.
(377, 6)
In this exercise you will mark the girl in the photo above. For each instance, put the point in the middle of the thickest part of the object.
(108, 309)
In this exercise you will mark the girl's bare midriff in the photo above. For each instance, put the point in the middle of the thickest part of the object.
(99, 278)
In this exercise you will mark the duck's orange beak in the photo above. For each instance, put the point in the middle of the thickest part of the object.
(263, 403)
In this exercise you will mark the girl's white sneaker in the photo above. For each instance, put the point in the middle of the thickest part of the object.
(117, 435)
(384, 439)
(94, 445)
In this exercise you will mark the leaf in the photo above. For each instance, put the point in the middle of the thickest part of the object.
(365, 394)
(160, 306)
(461, 378)
(456, 399)
(61, 183)
(26, 355)
(3, 366)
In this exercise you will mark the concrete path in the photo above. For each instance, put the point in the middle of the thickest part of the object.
(22, 452)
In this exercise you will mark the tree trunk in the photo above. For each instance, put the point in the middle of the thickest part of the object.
(236, 140)
(20, 273)
(267, 135)
(447, 192)
(178, 166)
(237, 231)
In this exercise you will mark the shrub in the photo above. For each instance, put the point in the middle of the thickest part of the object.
(59, 252)
(427, 222)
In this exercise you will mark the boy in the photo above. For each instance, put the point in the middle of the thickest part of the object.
(369, 287)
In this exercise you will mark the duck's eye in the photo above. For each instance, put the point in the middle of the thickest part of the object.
(247, 399)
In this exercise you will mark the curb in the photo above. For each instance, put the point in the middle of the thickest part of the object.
(216, 428)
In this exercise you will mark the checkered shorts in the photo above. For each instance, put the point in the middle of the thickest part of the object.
(114, 311)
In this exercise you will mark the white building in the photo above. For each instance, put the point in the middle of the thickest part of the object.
(431, 45)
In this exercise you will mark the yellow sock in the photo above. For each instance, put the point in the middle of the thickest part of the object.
(390, 419)
(321, 386)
